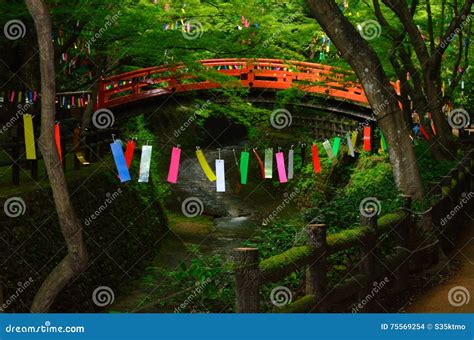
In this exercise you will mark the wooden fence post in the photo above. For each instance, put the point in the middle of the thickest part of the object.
(247, 273)
(16, 156)
(368, 219)
(403, 231)
(316, 281)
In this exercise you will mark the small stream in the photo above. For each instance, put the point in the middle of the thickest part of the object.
(236, 214)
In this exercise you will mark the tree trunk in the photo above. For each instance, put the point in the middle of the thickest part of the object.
(380, 93)
(76, 259)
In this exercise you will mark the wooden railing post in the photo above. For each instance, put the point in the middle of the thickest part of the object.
(368, 219)
(316, 280)
(247, 275)
(403, 231)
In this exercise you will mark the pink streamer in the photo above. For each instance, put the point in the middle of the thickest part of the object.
(12, 96)
(281, 167)
(174, 165)
(34, 96)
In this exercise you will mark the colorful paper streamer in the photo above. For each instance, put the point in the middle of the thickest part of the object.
(353, 141)
(328, 148)
(383, 143)
(349, 144)
(423, 132)
(119, 158)
(57, 139)
(76, 141)
(316, 162)
(244, 166)
(220, 175)
(205, 166)
(269, 163)
(174, 165)
(335, 146)
(260, 162)
(29, 136)
(280, 160)
(367, 145)
(145, 163)
(291, 155)
(129, 151)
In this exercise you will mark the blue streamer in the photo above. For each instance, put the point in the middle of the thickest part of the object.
(119, 159)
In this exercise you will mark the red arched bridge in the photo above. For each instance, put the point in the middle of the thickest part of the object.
(331, 82)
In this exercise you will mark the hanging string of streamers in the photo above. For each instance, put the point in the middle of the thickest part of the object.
(32, 97)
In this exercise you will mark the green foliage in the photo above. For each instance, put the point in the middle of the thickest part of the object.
(202, 285)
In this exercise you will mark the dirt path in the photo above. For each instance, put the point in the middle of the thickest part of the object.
(460, 287)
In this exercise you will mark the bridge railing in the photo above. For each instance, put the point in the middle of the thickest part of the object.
(251, 273)
(255, 73)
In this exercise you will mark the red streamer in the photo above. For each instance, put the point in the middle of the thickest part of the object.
(129, 152)
(262, 167)
(57, 138)
(367, 146)
(316, 162)
(423, 132)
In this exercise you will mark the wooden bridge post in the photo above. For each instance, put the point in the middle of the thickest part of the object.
(247, 273)
(367, 264)
(403, 231)
(316, 280)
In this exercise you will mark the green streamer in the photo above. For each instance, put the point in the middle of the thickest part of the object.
(269, 163)
(335, 146)
(383, 144)
(244, 166)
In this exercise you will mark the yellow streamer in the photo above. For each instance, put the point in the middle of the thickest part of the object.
(29, 137)
(205, 166)
(353, 141)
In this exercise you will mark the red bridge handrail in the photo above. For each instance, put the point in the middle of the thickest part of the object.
(275, 74)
